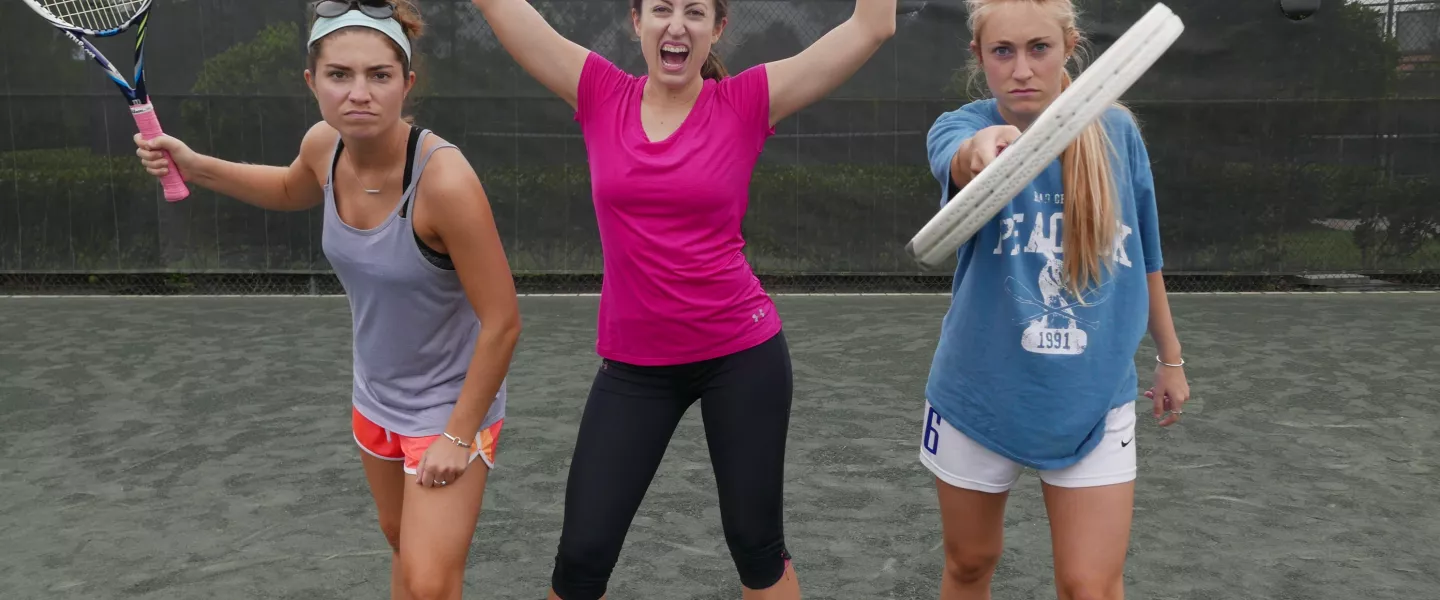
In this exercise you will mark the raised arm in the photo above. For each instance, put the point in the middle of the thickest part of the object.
(805, 78)
(546, 55)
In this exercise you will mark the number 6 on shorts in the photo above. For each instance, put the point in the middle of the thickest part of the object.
(1057, 127)
(931, 440)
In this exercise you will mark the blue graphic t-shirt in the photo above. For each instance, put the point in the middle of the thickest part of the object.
(1024, 367)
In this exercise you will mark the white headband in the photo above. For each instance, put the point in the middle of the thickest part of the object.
(353, 18)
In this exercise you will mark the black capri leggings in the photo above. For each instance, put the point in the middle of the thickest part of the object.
(629, 417)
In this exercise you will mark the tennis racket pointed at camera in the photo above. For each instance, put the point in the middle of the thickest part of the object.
(1079, 106)
(108, 18)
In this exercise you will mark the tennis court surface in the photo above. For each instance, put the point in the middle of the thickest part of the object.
(168, 447)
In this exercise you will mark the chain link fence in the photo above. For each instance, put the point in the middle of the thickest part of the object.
(1287, 155)
(325, 283)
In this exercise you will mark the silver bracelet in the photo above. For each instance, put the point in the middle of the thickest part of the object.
(457, 441)
(1182, 361)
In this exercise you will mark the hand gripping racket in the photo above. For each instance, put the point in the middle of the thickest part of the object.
(108, 18)
(1085, 101)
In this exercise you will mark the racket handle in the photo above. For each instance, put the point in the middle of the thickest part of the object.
(173, 181)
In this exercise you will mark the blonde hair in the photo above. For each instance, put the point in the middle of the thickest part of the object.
(1090, 209)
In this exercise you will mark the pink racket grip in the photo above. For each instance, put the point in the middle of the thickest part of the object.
(173, 181)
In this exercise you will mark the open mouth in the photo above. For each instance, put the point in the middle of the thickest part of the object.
(673, 56)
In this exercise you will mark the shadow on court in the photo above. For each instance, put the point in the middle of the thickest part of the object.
(200, 448)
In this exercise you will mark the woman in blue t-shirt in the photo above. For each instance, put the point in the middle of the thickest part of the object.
(1036, 361)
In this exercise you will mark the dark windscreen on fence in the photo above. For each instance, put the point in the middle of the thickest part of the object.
(1278, 146)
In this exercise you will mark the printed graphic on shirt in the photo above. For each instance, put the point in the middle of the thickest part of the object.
(1050, 313)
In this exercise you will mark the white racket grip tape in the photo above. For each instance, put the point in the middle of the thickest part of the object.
(1085, 101)
(173, 181)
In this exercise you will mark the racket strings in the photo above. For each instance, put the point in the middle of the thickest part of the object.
(94, 14)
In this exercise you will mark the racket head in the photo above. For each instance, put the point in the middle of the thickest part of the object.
(94, 18)
(1086, 100)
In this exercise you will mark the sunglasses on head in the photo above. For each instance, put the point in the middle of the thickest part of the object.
(375, 9)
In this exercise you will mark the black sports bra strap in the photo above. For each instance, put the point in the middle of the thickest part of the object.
(410, 156)
(335, 160)
(410, 148)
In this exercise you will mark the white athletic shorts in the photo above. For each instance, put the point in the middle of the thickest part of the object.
(961, 462)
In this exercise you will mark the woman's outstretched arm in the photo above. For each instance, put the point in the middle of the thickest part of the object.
(805, 78)
(546, 55)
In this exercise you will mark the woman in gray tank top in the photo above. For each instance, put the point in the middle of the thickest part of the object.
(423, 268)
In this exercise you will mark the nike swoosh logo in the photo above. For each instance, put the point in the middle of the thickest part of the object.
(1126, 443)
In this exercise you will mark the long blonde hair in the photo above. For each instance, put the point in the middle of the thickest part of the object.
(1089, 224)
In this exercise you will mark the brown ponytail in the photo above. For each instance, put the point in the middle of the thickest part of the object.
(713, 68)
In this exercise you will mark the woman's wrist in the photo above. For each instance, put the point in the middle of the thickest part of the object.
(457, 440)
(202, 171)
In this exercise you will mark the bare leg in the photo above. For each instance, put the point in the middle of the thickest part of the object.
(438, 525)
(387, 487)
(973, 525)
(1090, 534)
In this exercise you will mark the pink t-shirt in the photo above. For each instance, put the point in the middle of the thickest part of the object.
(677, 287)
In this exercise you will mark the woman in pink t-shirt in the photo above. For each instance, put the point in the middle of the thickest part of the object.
(682, 317)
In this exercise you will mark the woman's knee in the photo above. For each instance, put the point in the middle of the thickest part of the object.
(972, 525)
(583, 568)
(390, 526)
(1079, 587)
(970, 566)
(432, 581)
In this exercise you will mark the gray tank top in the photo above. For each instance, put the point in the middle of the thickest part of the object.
(414, 328)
